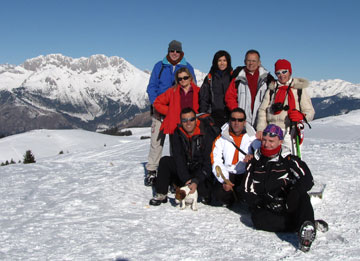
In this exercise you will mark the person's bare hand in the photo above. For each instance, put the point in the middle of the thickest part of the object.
(192, 187)
(229, 186)
(258, 135)
(248, 158)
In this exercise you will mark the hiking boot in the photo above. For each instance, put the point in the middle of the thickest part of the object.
(307, 234)
(150, 178)
(158, 199)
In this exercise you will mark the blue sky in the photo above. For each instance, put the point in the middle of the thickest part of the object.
(320, 38)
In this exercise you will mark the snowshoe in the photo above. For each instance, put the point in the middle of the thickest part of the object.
(307, 234)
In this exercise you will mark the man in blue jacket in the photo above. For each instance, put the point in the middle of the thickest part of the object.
(161, 79)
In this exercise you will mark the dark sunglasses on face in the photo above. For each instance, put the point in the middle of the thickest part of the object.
(188, 119)
(237, 119)
(281, 72)
(183, 78)
(271, 134)
(174, 51)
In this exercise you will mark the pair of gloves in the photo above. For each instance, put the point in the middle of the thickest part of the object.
(279, 204)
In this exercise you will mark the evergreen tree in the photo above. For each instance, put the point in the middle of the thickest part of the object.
(29, 157)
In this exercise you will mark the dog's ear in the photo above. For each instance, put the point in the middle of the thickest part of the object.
(180, 194)
(177, 194)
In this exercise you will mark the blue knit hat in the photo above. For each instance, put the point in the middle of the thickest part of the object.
(274, 130)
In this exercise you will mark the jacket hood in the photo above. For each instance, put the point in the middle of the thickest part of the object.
(225, 132)
(166, 62)
(197, 130)
(242, 75)
(297, 83)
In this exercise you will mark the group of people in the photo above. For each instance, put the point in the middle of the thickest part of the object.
(233, 138)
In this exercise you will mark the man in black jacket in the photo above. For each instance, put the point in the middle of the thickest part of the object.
(275, 187)
(190, 163)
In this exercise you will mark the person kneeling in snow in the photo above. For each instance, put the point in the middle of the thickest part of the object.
(228, 157)
(275, 188)
(190, 161)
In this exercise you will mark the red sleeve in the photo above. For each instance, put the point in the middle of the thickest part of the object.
(161, 103)
(231, 96)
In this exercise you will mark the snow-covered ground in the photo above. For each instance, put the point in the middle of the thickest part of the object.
(90, 202)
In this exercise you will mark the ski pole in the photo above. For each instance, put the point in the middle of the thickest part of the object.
(291, 137)
(298, 152)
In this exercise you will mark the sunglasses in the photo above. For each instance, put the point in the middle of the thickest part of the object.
(281, 72)
(174, 51)
(188, 119)
(271, 134)
(237, 119)
(183, 78)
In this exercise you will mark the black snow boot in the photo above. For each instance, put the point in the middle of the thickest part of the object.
(158, 199)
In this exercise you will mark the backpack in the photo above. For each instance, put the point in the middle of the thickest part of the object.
(161, 70)
(233, 74)
(269, 77)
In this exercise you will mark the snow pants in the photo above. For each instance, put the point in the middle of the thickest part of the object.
(156, 143)
(167, 175)
(264, 219)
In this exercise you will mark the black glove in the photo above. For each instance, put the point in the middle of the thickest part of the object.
(275, 204)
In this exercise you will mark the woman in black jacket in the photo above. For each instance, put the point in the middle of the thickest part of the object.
(213, 89)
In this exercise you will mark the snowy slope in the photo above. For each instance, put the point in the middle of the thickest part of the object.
(90, 203)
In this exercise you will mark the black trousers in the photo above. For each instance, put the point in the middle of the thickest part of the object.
(167, 175)
(267, 220)
(227, 197)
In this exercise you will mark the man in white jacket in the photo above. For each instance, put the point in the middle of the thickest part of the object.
(228, 156)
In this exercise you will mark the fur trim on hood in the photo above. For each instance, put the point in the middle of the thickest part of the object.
(297, 83)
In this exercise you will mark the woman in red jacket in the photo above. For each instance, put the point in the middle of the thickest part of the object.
(184, 94)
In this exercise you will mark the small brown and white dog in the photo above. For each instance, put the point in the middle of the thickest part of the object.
(182, 194)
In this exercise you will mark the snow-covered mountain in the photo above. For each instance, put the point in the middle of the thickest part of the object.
(84, 92)
(77, 81)
(336, 87)
(56, 91)
(90, 202)
(334, 97)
